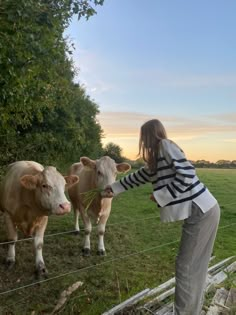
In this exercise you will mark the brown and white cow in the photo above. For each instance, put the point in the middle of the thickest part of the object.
(93, 174)
(29, 193)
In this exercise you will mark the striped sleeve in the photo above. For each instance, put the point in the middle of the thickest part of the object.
(184, 174)
(132, 180)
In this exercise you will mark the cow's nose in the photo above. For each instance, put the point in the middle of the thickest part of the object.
(65, 206)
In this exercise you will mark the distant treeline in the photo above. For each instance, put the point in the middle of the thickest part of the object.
(198, 164)
(218, 164)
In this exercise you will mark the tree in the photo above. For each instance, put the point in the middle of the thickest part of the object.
(114, 151)
(223, 162)
(84, 8)
(42, 112)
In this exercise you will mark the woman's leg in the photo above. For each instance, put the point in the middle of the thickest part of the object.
(197, 241)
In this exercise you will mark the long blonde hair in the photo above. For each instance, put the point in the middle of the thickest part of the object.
(151, 133)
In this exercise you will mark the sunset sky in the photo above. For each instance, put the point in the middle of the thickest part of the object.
(174, 60)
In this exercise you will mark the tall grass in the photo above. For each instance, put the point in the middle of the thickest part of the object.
(136, 258)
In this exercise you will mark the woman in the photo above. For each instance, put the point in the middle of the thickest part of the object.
(180, 196)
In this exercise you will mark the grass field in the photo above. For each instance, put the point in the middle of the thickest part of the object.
(140, 254)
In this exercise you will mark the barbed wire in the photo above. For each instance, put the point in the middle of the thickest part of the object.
(93, 227)
(97, 265)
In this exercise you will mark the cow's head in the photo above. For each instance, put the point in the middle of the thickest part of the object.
(105, 169)
(49, 189)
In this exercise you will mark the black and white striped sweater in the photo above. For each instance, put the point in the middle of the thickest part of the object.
(175, 184)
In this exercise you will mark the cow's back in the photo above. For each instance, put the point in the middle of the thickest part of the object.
(11, 188)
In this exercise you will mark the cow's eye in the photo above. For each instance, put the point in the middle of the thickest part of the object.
(46, 187)
(99, 173)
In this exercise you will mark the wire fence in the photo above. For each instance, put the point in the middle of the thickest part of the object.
(89, 267)
(82, 229)
(23, 301)
(92, 266)
(25, 288)
(93, 227)
(100, 264)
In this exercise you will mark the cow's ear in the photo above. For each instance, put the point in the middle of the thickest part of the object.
(87, 162)
(123, 167)
(71, 180)
(29, 181)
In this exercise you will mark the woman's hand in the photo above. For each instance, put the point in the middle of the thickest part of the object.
(152, 198)
(107, 192)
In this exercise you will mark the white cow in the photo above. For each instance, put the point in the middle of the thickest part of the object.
(29, 193)
(93, 175)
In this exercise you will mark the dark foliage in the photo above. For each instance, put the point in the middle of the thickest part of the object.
(44, 116)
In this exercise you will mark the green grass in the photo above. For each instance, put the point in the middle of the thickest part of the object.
(135, 257)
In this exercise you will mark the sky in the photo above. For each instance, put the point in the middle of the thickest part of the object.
(173, 60)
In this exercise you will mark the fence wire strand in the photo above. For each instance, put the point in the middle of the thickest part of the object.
(88, 267)
(82, 229)
(97, 265)
(93, 227)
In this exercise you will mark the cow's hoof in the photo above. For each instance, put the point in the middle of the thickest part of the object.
(86, 252)
(9, 263)
(76, 232)
(101, 252)
(41, 271)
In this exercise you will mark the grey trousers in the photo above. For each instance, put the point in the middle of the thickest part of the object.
(197, 241)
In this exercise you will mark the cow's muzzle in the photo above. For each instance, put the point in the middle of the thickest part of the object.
(63, 208)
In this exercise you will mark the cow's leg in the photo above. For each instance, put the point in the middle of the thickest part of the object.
(87, 231)
(101, 232)
(38, 246)
(76, 217)
(76, 207)
(11, 236)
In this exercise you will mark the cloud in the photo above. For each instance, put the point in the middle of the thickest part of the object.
(200, 136)
(184, 80)
(90, 67)
(228, 117)
(201, 81)
(95, 86)
(230, 140)
(127, 125)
